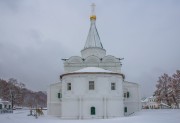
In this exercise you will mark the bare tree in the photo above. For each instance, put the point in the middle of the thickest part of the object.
(168, 89)
(162, 89)
(4, 89)
(19, 94)
(175, 88)
(15, 91)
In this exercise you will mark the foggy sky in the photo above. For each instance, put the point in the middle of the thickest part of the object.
(36, 34)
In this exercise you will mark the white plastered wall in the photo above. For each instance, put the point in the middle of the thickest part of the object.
(76, 103)
(53, 102)
(132, 103)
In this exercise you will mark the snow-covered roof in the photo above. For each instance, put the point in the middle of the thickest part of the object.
(147, 99)
(93, 69)
(144, 100)
(4, 102)
(164, 104)
(152, 97)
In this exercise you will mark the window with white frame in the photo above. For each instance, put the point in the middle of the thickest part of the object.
(59, 95)
(126, 95)
(68, 86)
(113, 86)
(91, 85)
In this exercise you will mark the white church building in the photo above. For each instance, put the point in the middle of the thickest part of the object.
(93, 85)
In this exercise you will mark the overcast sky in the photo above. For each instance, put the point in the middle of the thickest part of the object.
(36, 34)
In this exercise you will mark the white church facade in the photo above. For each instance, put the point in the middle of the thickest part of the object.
(93, 85)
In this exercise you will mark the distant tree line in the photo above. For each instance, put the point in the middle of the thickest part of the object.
(168, 89)
(19, 95)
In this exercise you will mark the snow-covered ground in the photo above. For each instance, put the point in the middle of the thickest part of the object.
(144, 116)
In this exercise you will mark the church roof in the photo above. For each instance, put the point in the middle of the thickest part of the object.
(93, 39)
(93, 69)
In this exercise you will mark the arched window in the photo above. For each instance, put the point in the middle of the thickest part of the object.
(93, 110)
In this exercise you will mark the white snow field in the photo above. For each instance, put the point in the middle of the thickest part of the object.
(144, 116)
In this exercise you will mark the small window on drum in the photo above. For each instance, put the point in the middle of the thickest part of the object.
(113, 86)
(68, 86)
(91, 85)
